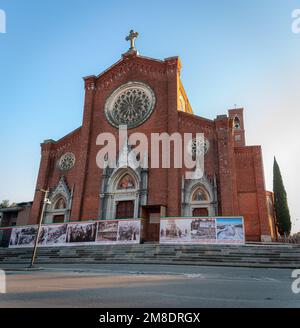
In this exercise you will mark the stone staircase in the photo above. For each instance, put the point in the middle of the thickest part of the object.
(252, 255)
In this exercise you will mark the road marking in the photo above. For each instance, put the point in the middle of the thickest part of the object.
(194, 275)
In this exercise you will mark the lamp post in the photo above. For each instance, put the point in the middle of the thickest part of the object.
(45, 202)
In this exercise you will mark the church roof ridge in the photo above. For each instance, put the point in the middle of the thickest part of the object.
(103, 72)
(124, 56)
(70, 134)
(197, 117)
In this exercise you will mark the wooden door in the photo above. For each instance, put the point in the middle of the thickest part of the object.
(59, 219)
(200, 212)
(125, 210)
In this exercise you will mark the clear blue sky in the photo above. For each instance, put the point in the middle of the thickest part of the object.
(233, 52)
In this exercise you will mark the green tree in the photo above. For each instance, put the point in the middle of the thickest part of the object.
(4, 204)
(280, 202)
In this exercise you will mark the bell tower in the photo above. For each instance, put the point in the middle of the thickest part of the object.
(237, 115)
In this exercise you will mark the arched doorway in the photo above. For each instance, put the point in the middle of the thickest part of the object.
(199, 197)
(58, 211)
(123, 197)
(200, 202)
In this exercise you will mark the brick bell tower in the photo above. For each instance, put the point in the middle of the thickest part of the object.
(237, 115)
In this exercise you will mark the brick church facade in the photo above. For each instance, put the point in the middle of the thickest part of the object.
(233, 182)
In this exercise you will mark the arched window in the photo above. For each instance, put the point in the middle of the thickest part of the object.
(236, 123)
(126, 182)
(199, 195)
(60, 204)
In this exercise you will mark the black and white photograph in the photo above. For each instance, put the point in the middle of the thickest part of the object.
(53, 235)
(23, 236)
(203, 230)
(129, 231)
(107, 231)
(81, 233)
(175, 230)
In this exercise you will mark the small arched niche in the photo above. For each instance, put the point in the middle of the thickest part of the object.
(200, 202)
(236, 123)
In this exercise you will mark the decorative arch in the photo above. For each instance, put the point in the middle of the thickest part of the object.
(126, 182)
(59, 209)
(199, 197)
(124, 179)
(60, 204)
(123, 188)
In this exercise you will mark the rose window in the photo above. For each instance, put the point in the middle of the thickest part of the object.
(67, 161)
(202, 143)
(130, 105)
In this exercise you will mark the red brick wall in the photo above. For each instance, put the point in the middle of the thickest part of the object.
(23, 216)
(49, 173)
(251, 191)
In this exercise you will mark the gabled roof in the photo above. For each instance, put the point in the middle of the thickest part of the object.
(130, 55)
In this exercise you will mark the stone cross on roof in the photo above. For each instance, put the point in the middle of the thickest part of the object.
(131, 37)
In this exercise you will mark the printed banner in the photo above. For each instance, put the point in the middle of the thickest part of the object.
(81, 233)
(230, 230)
(70, 234)
(119, 232)
(53, 235)
(202, 230)
(129, 231)
(107, 232)
(23, 236)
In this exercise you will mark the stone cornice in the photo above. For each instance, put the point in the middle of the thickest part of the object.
(55, 146)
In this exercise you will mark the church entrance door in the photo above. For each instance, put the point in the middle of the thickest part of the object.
(201, 211)
(125, 210)
(58, 219)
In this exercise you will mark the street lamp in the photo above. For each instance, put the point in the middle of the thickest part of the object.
(45, 202)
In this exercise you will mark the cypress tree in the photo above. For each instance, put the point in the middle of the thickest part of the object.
(280, 202)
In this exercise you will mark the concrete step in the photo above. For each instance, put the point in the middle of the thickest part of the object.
(230, 255)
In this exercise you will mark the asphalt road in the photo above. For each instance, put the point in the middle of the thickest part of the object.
(133, 286)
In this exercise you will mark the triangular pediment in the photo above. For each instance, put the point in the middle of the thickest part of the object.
(61, 189)
(133, 62)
